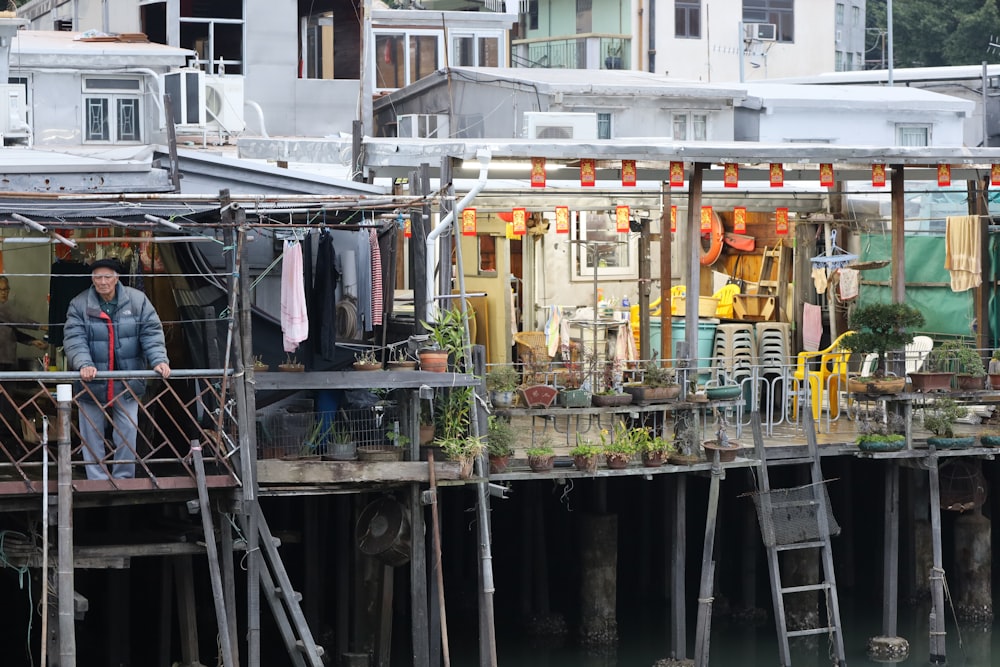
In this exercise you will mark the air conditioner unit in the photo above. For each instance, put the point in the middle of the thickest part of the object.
(763, 32)
(422, 125)
(224, 102)
(13, 114)
(560, 125)
(186, 88)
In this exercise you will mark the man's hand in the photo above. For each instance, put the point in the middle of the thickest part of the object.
(40, 344)
(163, 369)
(88, 373)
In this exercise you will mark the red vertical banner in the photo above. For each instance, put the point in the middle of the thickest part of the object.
(826, 175)
(706, 219)
(944, 175)
(673, 218)
(407, 229)
(538, 172)
(520, 222)
(562, 219)
(621, 219)
(676, 174)
(468, 222)
(740, 219)
(777, 175)
(781, 221)
(628, 172)
(995, 174)
(731, 175)
(878, 175)
(588, 175)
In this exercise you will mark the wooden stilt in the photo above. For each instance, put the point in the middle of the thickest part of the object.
(385, 621)
(438, 569)
(418, 580)
(186, 614)
(229, 585)
(166, 609)
(937, 619)
(704, 627)
(342, 574)
(678, 624)
(890, 554)
(64, 492)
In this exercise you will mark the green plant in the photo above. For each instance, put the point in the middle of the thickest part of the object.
(655, 374)
(454, 412)
(397, 439)
(399, 354)
(959, 357)
(448, 330)
(367, 358)
(881, 327)
(461, 447)
(502, 378)
(500, 437)
(940, 417)
(654, 444)
(539, 451)
(887, 438)
(585, 447)
(621, 440)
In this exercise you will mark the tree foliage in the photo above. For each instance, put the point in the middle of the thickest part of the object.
(931, 33)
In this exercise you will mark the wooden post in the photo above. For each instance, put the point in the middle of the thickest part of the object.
(937, 619)
(694, 267)
(666, 276)
(166, 610)
(438, 569)
(67, 620)
(890, 553)
(229, 586)
(678, 625)
(898, 270)
(186, 611)
(645, 280)
(704, 629)
(418, 580)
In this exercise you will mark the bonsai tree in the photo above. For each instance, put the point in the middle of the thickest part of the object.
(960, 357)
(500, 437)
(656, 375)
(502, 378)
(880, 328)
(940, 417)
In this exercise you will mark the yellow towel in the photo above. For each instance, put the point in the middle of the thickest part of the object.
(963, 252)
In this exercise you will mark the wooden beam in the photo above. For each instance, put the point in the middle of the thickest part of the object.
(355, 380)
(273, 471)
(898, 267)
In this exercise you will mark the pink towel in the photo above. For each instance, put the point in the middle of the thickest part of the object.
(812, 327)
(294, 320)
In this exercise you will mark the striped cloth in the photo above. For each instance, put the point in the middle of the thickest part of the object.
(376, 278)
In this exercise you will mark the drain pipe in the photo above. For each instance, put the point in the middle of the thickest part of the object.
(483, 155)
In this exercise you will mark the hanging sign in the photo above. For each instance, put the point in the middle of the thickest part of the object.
(826, 175)
(781, 221)
(995, 174)
(562, 219)
(587, 173)
(677, 174)
(407, 229)
(740, 219)
(731, 175)
(538, 172)
(706, 219)
(673, 218)
(878, 175)
(944, 175)
(520, 222)
(621, 219)
(508, 231)
(468, 222)
(628, 172)
(777, 175)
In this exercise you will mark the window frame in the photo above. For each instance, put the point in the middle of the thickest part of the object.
(478, 38)
(113, 97)
(779, 12)
(407, 34)
(581, 270)
(927, 129)
(684, 12)
(690, 125)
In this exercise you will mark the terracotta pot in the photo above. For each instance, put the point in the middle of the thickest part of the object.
(928, 382)
(541, 463)
(426, 433)
(652, 459)
(994, 380)
(360, 366)
(617, 461)
(877, 386)
(610, 400)
(435, 361)
(644, 394)
(585, 463)
(498, 464)
(726, 454)
(969, 382)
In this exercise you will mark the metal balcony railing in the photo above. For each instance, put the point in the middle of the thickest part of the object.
(584, 51)
(172, 414)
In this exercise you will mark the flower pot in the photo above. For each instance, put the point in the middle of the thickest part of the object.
(969, 382)
(951, 443)
(538, 395)
(653, 459)
(426, 433)
(990, 440)
(929, 382)
(379, 453)
(994, 380)
(877, 386)
(617, 461)
(498, 464)
(610, 400)
(435, 361)
(291, 368)
(342, 451)
(644, 394)
(502, 399)
(574, 398)
(881, 443)
(362, 366)
(727, 454)
(585, 463)
(401, 365)
(680, 459)
(541, 463)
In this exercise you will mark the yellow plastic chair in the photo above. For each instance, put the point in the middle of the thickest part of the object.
(830, 373)
(726, 295)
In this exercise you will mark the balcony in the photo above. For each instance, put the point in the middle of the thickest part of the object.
(584, 51)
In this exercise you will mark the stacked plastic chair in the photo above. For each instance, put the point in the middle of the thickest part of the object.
(774, 346)
(734, 352)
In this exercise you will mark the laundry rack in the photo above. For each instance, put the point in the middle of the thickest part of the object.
(836, 257)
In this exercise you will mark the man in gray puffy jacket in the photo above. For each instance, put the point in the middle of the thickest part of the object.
(110, 327)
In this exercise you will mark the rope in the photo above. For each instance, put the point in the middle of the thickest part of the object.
(951, 604)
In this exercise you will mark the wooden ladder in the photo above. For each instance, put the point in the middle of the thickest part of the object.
(773, 277)
(808, 507)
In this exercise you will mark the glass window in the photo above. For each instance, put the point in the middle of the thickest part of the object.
(779, 12)
(680, 127)
(687, 18)
(128, 119)
(603, 125)
(475, 51)
(112, 118)
(913, 135)
(855, 16)
(615, 254)
(98, 128)
(402, 58)
(839, 15)
(838, 61)
(690, 126)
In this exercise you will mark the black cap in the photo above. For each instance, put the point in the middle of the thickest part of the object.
(108, 263)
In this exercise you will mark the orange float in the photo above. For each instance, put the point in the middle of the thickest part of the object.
(715, 236)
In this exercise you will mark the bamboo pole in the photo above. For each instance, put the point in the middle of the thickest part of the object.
(436, 536)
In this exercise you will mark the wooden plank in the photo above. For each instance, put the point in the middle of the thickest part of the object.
(186, 610)
(368, 380)
(274, 471)
(890, 553)
(419, 626)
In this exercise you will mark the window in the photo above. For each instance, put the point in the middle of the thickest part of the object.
(913, 135)
(616, 254)
(532, 14)
(839, 15)
(838, 61)
(855, 16)
(112, 109)
(690, 126)
(215, 31)
(779, 12)
(487, 254)
(404, 57)
(603, 125)
(475, 50)
(687, 18)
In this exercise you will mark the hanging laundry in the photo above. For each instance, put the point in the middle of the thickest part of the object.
(819, 277)
(850, 281)
(294, 318)
(376, 278)
(552, 327)
(963, 252)
(812, 327)
(323, 314)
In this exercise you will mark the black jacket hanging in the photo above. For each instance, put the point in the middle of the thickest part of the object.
(324, 299)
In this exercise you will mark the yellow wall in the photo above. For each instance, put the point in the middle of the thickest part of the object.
(496, 287)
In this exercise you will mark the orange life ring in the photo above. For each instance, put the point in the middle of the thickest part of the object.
(715, 236)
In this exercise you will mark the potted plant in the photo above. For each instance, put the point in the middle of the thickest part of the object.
(722, 445)
(464, 449)
(342, 446)
(291, 365)
(427, 426)
(611, 393)
(259, 366)
(447, 335)
(618, 445)
(880, 328)
(501, 382)
(653, 449)
(585, 454)
(878, 435)
(572, 394)
(658, 384)
(541, 457)
(399, 359)
(500, 438)
(966, 362)
(367, 361)
(935, 374)
(939, 418)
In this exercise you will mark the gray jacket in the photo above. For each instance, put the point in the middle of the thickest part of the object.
(130, 340)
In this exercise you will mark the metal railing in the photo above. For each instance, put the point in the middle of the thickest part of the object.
(172, 414)
(584, 51)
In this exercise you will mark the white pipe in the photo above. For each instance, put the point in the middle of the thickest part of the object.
(260, 116)
(483, 156)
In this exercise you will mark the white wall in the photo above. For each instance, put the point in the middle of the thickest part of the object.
(863, 127)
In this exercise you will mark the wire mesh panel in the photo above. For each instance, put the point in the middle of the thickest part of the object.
(790, 516)
(288, 434)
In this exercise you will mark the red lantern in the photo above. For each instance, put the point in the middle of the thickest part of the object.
(826, 175)
(781, 221)
(777, 175)
(677, 174)
(468, 222)
(628, 172)
(731, 175)
(407, 229)
(995, 174)
(621, 219)
(944, 175)
(520, 222)
(588, 175)
(538, 172)
(878, 175)
(740, 219)
(562, 219)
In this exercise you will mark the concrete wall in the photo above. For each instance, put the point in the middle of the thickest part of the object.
(861, 127)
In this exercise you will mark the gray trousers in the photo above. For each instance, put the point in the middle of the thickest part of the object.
(125, 420)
